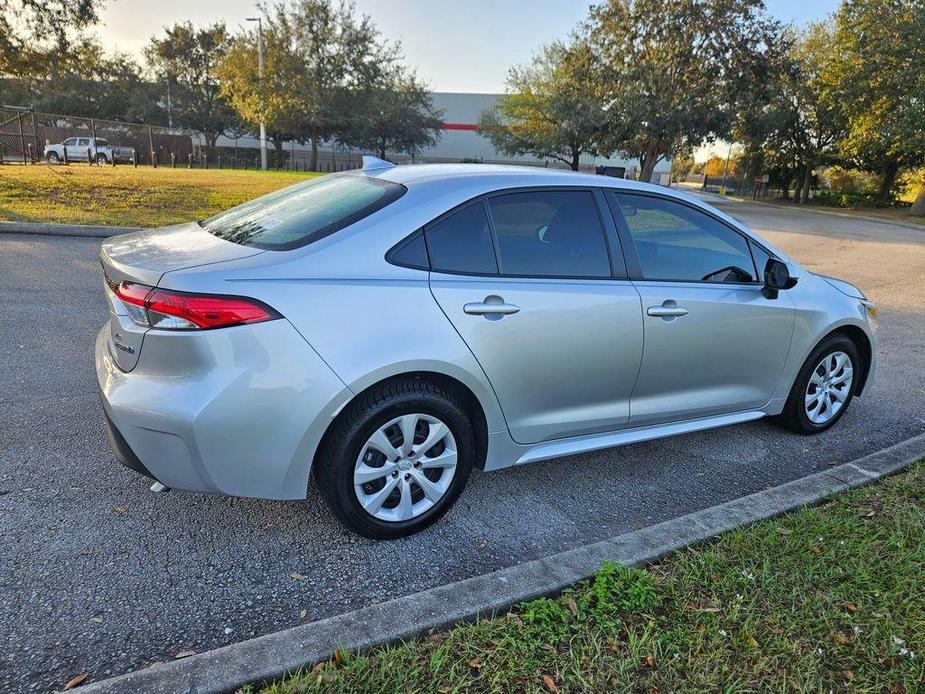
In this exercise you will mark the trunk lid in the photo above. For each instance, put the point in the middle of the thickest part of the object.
(143, 258)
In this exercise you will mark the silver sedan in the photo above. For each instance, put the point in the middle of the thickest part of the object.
(389, 329)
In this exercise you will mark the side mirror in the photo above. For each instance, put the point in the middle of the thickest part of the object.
(776, 277)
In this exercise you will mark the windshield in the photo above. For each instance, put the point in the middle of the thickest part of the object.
(303, 213)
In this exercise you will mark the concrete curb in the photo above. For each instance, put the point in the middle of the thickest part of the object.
(85, 230)
(274, 655)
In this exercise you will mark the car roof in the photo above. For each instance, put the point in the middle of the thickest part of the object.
(501, 175)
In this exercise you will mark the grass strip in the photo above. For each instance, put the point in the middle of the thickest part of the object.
(126, 196)
(829, 598)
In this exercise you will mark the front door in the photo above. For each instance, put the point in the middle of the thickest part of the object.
(526, 279)
(713, 342)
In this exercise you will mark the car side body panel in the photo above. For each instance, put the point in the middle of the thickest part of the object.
(352, 320)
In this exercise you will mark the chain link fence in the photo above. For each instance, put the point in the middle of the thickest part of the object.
(25, 134)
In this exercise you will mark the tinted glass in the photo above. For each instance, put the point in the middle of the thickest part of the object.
(549, 234)
(462, 242)
(676, 242)
(83, 142)
(70, 143)
(410, 253)
(761, 257)
(303, 213)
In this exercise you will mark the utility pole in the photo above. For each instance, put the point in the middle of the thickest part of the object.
(263, 127)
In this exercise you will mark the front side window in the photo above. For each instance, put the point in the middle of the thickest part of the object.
(303, 213)
(678, 243)
(549, 234)
(461, 242)
(70, 142)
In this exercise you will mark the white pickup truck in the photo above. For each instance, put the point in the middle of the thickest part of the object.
(87, 149)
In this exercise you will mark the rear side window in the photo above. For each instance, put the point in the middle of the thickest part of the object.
(675, 242)
(461, 242)
(550, 234)
(303, 213)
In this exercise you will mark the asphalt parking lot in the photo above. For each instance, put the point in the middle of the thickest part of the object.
(100, 575)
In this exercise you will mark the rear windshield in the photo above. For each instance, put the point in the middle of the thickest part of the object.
(303, 213)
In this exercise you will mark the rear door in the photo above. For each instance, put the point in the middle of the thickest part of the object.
(713, 342)
(534, 282)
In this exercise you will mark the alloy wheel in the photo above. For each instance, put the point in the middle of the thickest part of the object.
(828, 388)
(405, 467)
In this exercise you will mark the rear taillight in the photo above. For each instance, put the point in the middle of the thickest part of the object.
(169, 310)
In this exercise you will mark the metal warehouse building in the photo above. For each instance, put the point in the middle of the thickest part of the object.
(459, 140)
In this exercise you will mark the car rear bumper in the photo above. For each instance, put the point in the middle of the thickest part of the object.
(236, 411)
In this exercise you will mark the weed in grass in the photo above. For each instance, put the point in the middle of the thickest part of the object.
(822, 599)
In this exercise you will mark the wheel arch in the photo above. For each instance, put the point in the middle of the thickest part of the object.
(864, 347)
(450, 384)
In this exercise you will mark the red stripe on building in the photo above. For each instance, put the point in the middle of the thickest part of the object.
(459, 126)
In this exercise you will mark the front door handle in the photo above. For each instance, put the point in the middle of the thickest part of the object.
(492, 307)
(668, 309)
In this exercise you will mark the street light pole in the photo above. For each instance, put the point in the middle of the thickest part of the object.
(263, 127)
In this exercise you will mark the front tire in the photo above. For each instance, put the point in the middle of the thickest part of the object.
(396, 459)
(824, 387)
(101, 159)
(53, 158)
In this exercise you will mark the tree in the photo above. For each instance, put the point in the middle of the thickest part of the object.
(681, 166)
(879, 72)
(394, 115)
(36, 34)
(554, 108)
(185, 61)
(87, 82)
(315, 52)
(791, 124)
(673, 69)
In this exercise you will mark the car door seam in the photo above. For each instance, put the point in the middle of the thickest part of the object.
(491, 385)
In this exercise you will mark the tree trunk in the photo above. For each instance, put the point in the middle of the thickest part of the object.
(887, 179)
(918, 207)
(314, 162)
(798, 188)
(576, 156)
(648, 163)
(807, 180)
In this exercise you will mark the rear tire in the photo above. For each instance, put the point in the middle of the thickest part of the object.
(101, 159)
(824, 387)
(424, 478)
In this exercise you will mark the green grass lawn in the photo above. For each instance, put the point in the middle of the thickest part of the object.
(126, 196)
(823, 599)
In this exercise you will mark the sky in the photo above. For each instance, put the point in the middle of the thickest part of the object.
(456, 45)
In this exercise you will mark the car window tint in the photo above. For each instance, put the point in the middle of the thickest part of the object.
(70, 142)
(83, 142)
(461, 242)
(410, 253)
(761, 257)
(549, 234)
(676, 242)
(304, 212)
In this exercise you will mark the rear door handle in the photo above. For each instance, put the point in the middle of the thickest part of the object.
(668, 309)
(491, 306)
